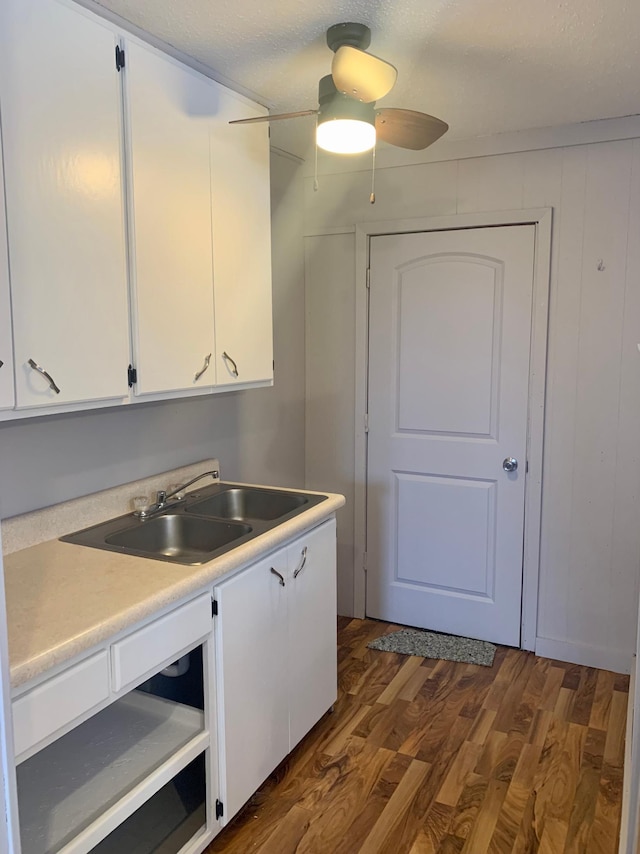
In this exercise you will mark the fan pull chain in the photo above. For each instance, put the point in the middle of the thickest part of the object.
(315, 173)
(372, 197)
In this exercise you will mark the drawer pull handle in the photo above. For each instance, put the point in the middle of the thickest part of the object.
(234, 370)
(48, 377)
(302, 563)
(281, 577)
(207, 359)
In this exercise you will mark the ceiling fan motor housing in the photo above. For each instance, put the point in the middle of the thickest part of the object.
(354, 35)
(336, 105)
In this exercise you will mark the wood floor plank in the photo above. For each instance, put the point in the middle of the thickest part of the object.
(382, 668)
(346, 797)
(557, 792)
(415, 682)
(480, 837)
(398, 804)
(599, 717)
(459, 771)
(399, 681)
(582, 811)
(585, 695)
(382, 791)
(614, 745)
(605, 829)
(552, 686)
(482, 726)
(434, 757)
(513, 695)
(429, 839)
(530, 699)
(286, 836)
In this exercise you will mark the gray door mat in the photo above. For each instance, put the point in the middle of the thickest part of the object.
(435, 645)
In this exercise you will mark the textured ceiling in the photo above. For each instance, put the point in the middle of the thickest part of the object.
(484, 66)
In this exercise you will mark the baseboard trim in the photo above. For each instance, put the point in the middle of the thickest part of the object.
(603, 658)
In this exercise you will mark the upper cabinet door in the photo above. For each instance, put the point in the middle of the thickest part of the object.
(169, 114)
(7, 397)
(241, 243)
(61, 128)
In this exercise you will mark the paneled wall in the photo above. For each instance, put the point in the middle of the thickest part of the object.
(590, 544)
(258, 435)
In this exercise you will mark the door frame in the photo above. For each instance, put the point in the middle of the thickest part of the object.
(541, 218)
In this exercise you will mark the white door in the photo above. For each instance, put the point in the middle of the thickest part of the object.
(450, 323)
(240, 198)
(61, 129)
(169, 114)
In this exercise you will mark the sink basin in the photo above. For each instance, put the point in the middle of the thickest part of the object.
(200, 527)
(240, 503)
(178, 536)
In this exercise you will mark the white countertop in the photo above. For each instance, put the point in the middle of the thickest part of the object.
(63, 599)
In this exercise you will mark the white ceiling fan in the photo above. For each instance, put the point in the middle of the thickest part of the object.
(348, 121)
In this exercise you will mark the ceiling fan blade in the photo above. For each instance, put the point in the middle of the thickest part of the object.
(274, 118)
(408, 128)
(362, 75)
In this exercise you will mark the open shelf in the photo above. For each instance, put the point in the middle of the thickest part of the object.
(78, 789)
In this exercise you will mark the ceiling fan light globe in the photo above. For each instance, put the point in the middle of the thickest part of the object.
(345, 136)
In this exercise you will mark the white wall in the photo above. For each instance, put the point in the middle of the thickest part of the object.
(257, 435)
(330, 321)
(590, 545)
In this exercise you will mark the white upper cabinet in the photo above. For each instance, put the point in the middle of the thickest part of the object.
(241, 243)
(61, 128)
(7, 397)
(169, 109)
(138, 220)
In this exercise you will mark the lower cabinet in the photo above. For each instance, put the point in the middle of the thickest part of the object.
(152, 742)
(275, 659)
(140, 774)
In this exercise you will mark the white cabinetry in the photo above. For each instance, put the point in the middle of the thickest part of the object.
(276, 658)
(169, 110)
(61, 127)
(99, 761)
(241, 243)
(198, 214)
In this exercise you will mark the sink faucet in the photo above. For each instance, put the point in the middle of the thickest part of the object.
(162, 496)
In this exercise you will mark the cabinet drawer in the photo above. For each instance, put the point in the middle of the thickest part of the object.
(161, 641)
(59, 701)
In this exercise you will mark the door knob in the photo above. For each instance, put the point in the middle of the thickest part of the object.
(509, 464)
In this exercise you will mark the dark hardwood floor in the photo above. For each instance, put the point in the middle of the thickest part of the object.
(423, 756)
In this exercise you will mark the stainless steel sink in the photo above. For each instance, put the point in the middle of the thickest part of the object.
(243, 503)
(177, 536)
(200, 527)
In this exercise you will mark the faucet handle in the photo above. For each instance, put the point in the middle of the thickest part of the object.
(161, 497)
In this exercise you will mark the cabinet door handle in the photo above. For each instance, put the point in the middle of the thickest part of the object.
(234, 370)
(48, 377)
(281, 577)
(207, 359)
(302, 563)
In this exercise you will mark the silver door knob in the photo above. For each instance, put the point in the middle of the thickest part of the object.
(509, 464)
